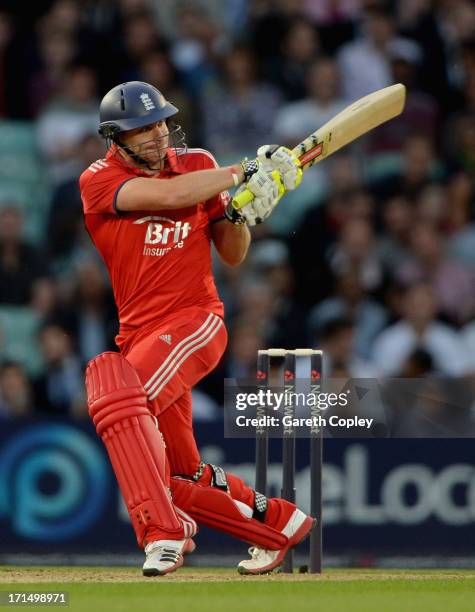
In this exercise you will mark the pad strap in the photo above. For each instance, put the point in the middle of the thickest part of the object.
(260, 507)
(218, 479)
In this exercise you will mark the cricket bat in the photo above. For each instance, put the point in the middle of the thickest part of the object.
(352, 122)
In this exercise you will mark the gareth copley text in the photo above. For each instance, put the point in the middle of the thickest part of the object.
(275, 401)
(315, 421)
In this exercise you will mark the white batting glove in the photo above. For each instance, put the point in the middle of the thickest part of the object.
(275, 157)
(266, 188)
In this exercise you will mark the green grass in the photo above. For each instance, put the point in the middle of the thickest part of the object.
(194, 590)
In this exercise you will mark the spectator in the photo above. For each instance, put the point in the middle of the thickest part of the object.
(240, 117)
(69, 19)
(419, 364)
(246, 339)
(6, 39)
(419, 168)
(56, 50)
(91, 317)
(364, 63)
(329, 12)
(429, 405)
(60, 389)
(140, 38)
(129, 8)
(350, 302)
(220, 12)
(459, 19)
(421, 112)
(21, 265)
(419, 329)
(468, 338)
(431, 206)
(270, 20)
(460, 191)
(340, 359)
(319, 229)
(461, 243)
(197, 48)
(452, 284)
(296, 120)
(67, 119)
(16, 394)
(321, 181)
(462, 247)
(288, 70)
(45, 297)
(65, 213)
(460, 140)
(395, 243)
(269, 260)
(257, 301)
(356, 253)
(63, 16)
(204, 407)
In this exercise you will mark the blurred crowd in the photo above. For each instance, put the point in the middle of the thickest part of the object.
(372, 259)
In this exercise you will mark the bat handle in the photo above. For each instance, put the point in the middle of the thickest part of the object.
(242, 199)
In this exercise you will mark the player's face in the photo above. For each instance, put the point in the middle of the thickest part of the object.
(149, 142)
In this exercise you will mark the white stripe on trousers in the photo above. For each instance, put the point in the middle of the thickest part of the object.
(189, 525)
(181, 352)
(178, 351)
(191, 348)
(190, 352)
(177, 348)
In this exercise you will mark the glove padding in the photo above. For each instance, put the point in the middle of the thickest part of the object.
(267, 188)
(275, 157)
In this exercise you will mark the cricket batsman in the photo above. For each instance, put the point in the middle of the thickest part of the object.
(152, 208)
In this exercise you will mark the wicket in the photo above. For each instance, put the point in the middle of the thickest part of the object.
(290, 358)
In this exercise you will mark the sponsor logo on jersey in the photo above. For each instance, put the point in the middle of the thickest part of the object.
(163, 234)
(166, 338)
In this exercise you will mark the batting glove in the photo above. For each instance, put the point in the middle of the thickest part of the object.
(276, 157)
(265, 188)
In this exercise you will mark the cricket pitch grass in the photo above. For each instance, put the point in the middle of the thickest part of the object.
(224, 590)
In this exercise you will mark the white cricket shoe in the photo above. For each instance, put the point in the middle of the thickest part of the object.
(164, 556)
(263, 561)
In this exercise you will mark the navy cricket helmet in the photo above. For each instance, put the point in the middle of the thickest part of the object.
(132, 105)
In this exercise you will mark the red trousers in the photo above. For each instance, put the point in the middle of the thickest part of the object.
(170, 359)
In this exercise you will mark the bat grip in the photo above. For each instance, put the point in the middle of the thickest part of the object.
(242, 199)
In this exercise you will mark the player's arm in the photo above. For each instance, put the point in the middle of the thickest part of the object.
(179, 192)
(279, 170)
(231, 235)
(231, 241)
(189, 189)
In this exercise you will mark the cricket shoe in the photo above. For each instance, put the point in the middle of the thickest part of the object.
(164, 556)
(264, 561)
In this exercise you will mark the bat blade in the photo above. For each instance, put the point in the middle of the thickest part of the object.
(352, 122)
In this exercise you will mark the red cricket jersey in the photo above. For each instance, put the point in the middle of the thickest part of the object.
(159, 261)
